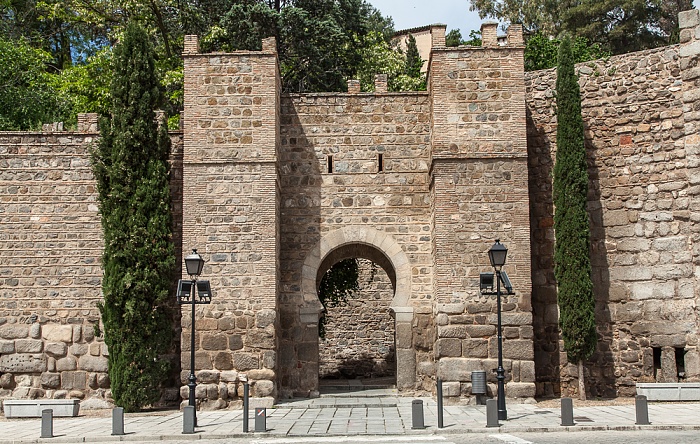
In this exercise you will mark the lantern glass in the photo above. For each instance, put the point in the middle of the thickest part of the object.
(194, 263)
(497, 254)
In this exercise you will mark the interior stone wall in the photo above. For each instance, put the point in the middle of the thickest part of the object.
(359, 333)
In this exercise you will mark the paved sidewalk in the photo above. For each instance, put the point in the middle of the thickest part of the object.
(362, 413)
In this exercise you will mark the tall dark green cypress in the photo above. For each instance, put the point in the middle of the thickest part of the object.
(130, 165)
(572, 263)
(413, 60)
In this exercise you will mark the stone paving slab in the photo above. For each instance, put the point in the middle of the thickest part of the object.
(338, 417)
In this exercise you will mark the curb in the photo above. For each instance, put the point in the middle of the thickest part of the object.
(451, 431)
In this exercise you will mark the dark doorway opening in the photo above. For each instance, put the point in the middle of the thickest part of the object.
(356, 347)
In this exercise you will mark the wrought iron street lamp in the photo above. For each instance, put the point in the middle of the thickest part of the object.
(497, 256)
(194, 263)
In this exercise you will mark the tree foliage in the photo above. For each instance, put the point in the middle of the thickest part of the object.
(28, 93)
(572, 265)
(131, 168)
(541, 52)
(337, 285)
(618, 26)
(413, 60)
(319, 41)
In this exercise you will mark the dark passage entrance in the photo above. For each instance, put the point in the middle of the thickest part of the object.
(356, 347)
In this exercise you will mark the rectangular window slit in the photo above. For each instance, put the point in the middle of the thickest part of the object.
(380, 162)
(330, 163)
(680, 362)
(657, 362)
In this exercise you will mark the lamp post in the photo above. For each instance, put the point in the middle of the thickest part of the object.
(497, 256)
(194, 263)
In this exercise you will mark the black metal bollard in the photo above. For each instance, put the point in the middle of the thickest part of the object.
(117, 421)
(246, 406)
(188, 420)
(441, 423)
(567, 412)
(417, 414)
(492, 413)
(47, 423)
(641, 410)
(260, 419)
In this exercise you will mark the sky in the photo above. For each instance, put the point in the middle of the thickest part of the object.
(453, 13)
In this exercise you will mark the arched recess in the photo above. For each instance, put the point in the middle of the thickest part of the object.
(381, 248)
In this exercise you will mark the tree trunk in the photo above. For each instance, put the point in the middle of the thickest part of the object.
(581, 382)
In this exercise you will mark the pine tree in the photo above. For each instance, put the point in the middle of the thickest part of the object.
(130, 165)
(572, 264)
(413, 60)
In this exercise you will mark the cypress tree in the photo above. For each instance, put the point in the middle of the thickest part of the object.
(130, 165)
(572, 263)
(413, 60)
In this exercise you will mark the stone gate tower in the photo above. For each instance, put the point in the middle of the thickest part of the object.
(279, 187)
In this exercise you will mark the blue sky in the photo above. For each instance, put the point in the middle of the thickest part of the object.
(453, 13)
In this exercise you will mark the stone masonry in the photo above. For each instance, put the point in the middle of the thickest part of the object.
(641, 117)
(273, 189)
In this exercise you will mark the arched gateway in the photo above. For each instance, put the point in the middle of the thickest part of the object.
(382, 249)
(278, 187)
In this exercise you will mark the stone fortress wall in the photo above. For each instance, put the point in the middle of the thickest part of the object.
(273, 189)
(641, 116)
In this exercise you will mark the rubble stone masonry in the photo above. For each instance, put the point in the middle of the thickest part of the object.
(273, 189)
(641, 116)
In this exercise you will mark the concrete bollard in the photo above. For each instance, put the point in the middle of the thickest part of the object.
(567, 412)
(117, 421)
(188, 420)
(261, 419)
(492, 413)
(641, 410)
(418, 422)
(47, 423)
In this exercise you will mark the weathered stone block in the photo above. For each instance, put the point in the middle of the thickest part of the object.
(235, 342)
(51, 380)
(28, 346)
(458, 369)
(259, 374)
(56, 349)
(216, 341)
(406, 360)
(244, 361)
(23, 363)
(480, 331)
(14, 331)
(66, 364)
(508, 319)
(450, 389)
(475, 348)
(452, 331)
(518, 349)
(223, 361)
(450, 347)
(404, 335)
(57, 333)
(208, 376)
(93, 363)
(263, 318)
(228, 376)
(7, 347)
(264, 388)
(520, 390)
(74, 380)
(688, 19)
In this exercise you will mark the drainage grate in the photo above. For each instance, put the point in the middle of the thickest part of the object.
(582, 419)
